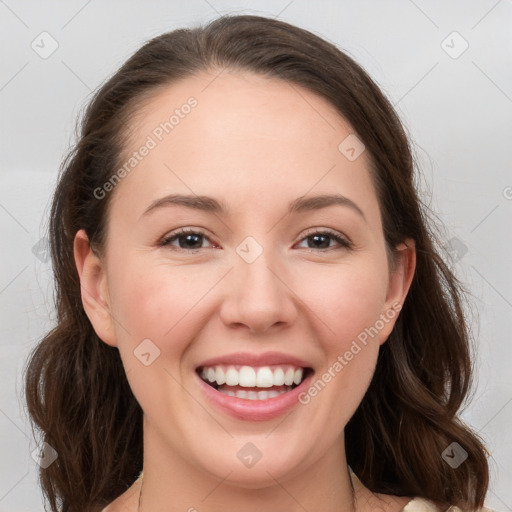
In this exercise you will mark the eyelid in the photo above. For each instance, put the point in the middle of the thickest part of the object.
(165, 241)
(340, 238)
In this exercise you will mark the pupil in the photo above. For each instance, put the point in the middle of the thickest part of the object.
(319, 239)
(190, 241)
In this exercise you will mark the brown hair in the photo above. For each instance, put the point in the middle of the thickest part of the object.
(76, 389)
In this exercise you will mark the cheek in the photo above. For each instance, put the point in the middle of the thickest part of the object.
(347, 299)
(157, 311)
(161, 302)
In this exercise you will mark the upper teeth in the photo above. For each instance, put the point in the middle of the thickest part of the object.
(249, 377)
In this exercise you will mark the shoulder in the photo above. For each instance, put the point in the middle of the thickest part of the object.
(415, 504)
(423, 505)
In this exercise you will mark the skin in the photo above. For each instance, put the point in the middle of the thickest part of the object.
(255, 144)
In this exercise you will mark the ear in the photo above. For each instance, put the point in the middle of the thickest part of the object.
(94, 289)
(400, 279)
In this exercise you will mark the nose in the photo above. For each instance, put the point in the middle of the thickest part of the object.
(257, 297)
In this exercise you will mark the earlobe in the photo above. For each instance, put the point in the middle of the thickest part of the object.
(93, 288)
(400, 280)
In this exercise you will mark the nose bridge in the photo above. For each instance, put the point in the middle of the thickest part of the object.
(256, 278)
(256, 295)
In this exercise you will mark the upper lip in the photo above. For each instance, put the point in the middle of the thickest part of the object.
(248, 359)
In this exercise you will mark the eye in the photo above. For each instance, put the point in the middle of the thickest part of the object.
(187, 239)
(192, 240)
(322, 240)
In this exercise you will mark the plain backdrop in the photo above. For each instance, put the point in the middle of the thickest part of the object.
(447, 67)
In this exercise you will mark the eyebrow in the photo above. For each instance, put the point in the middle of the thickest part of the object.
(211, 205)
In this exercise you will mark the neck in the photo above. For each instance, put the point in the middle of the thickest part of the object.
(171, 483)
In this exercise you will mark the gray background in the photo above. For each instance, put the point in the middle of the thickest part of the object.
(456, 106)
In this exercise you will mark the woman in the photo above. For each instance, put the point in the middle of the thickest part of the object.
(251, 308)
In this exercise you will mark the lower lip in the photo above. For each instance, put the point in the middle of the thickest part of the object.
(254, 410)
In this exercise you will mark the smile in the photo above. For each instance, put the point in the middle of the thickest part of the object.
(253, 388)
(264, 382)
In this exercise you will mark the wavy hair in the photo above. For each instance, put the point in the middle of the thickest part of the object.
(76, 390)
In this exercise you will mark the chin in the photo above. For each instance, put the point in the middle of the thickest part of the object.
(255, 463)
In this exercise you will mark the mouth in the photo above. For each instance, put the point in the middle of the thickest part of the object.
(256, 383)
(254, 387)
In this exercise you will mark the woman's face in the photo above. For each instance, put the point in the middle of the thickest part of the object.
(281, 276)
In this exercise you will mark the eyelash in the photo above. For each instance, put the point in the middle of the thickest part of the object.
(166, 241)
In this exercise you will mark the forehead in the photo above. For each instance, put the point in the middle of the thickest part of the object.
(242, 134)
(241, 109)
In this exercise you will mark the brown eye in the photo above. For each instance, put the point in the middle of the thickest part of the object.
(322, 240)
(186, 240)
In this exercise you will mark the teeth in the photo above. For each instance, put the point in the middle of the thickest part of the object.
(251, 377)
(254, 395)
(264, 378)
(247, 377)
(232, 377)
(297, 376)
(278, 377)
(220, 377)
(288, 376)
